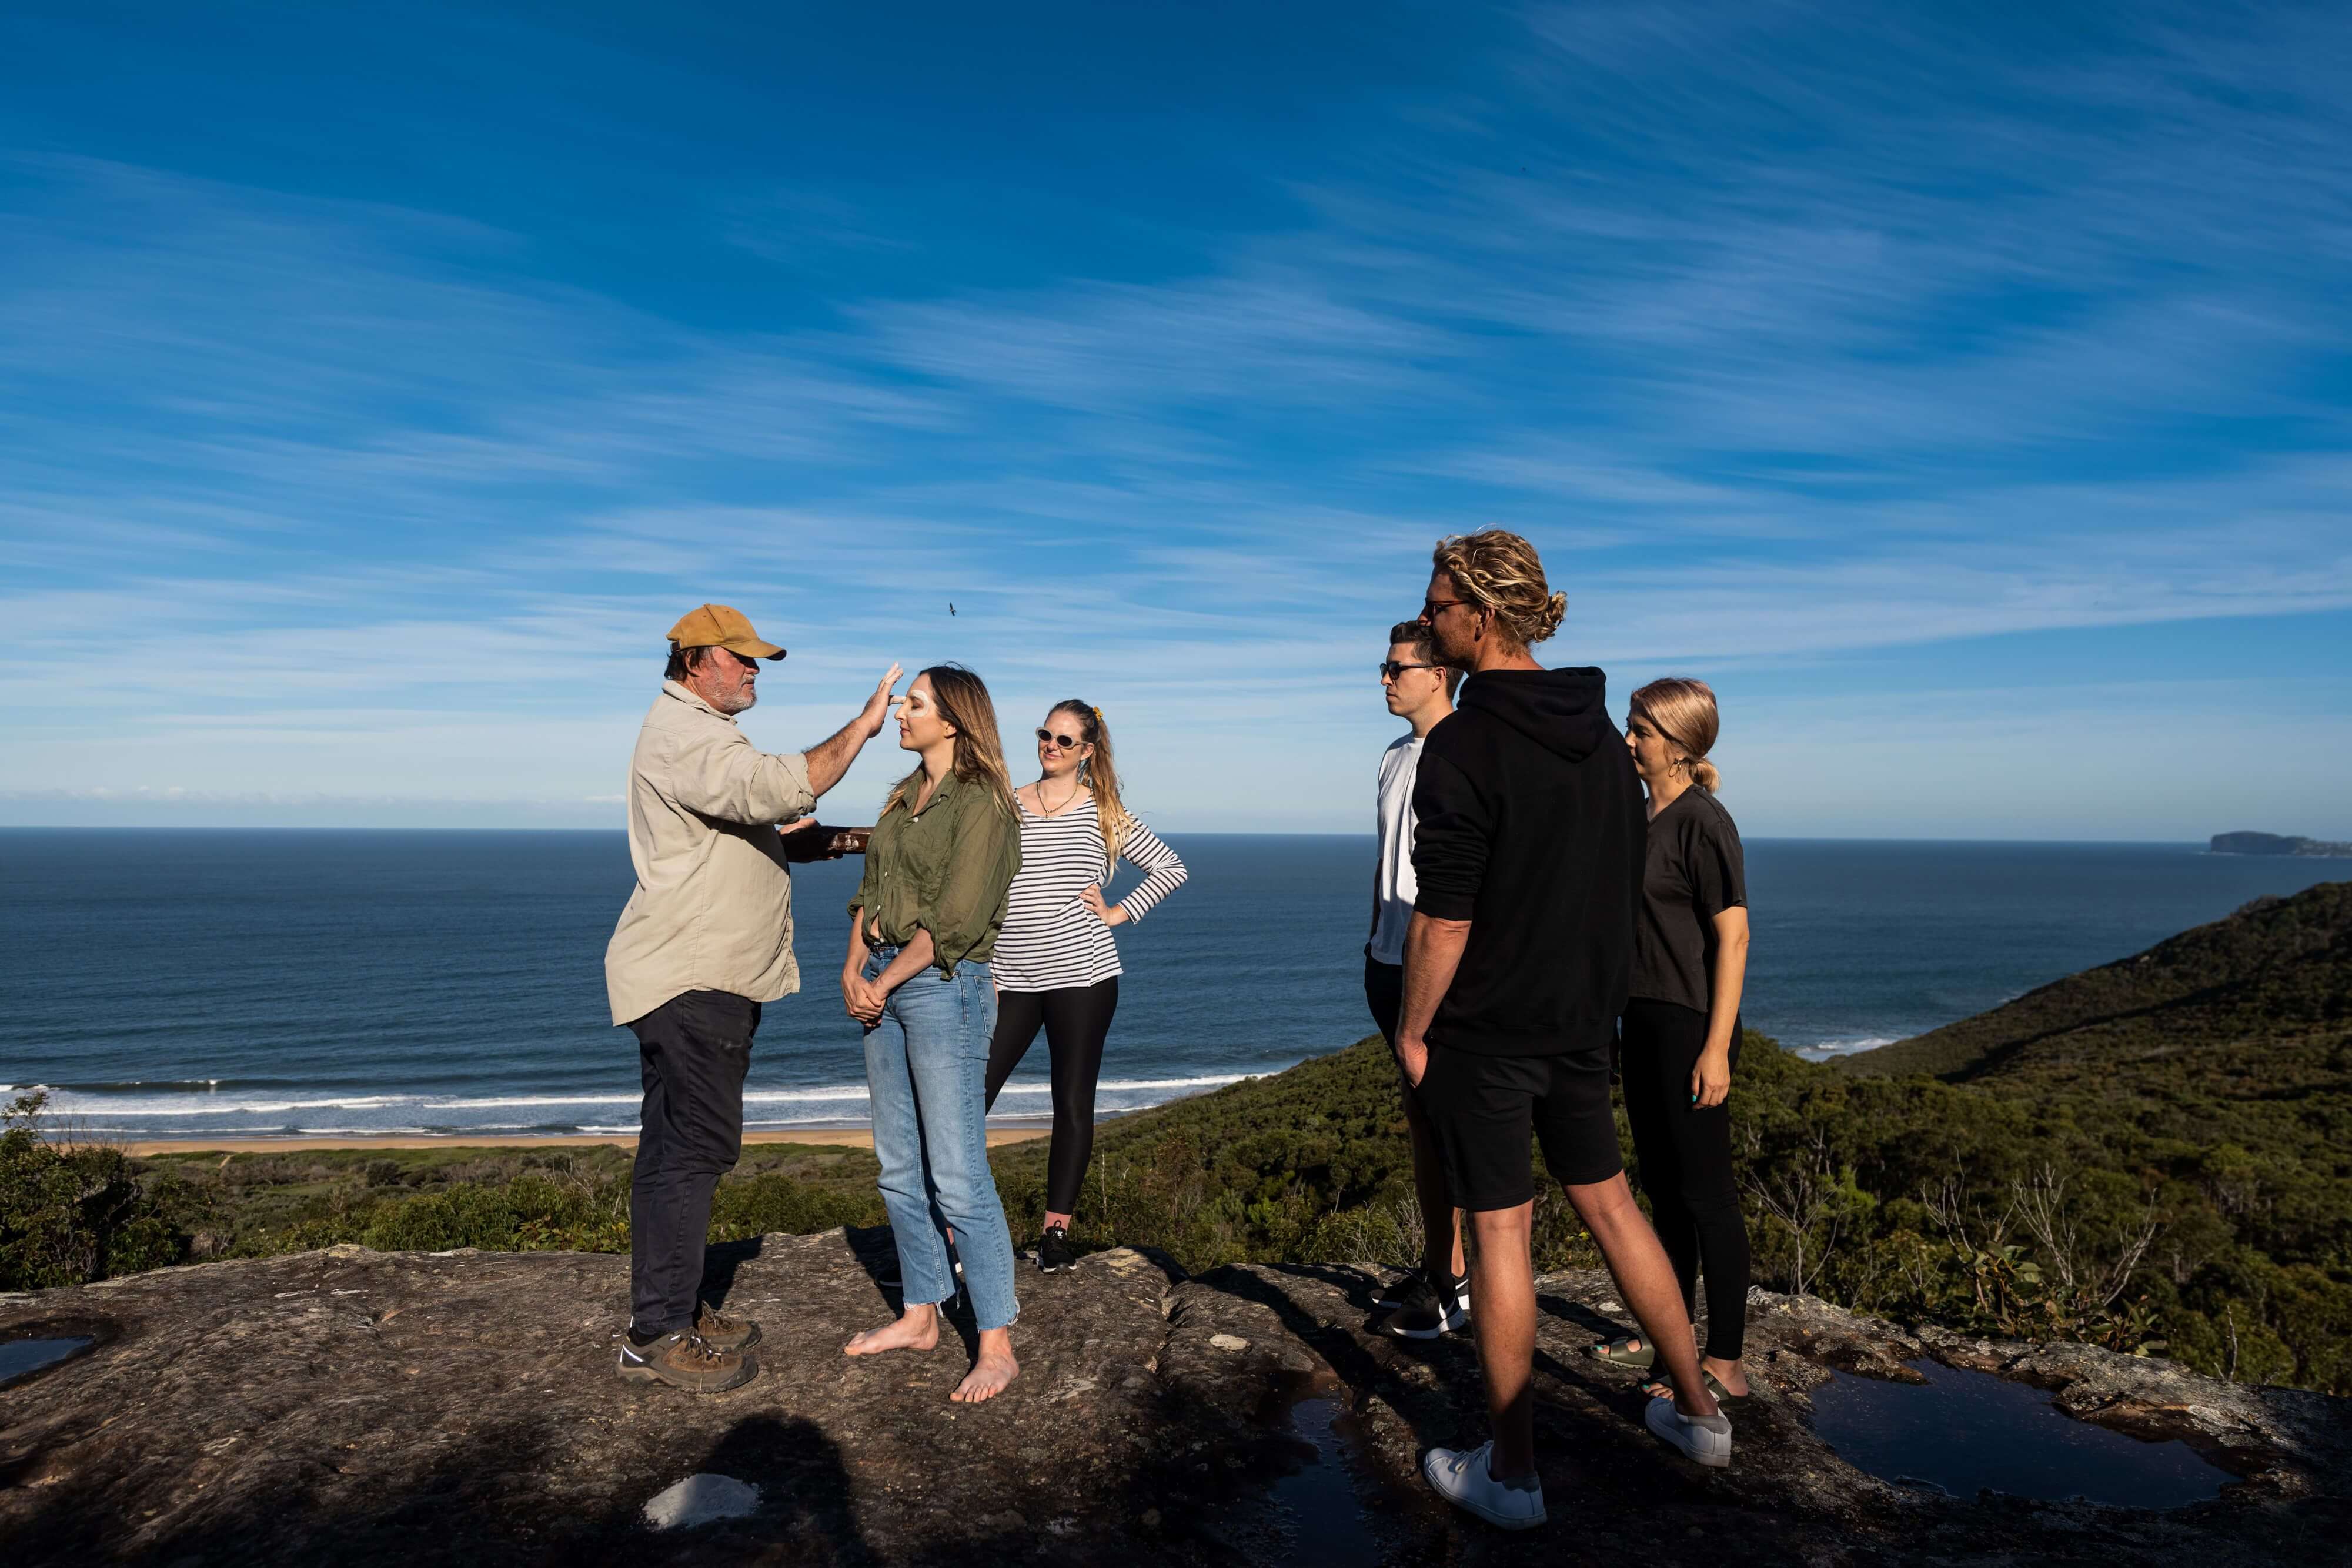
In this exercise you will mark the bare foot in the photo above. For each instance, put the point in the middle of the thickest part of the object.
(917, 1328)
(988, 1377)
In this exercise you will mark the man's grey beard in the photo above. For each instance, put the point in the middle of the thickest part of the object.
(741, 703)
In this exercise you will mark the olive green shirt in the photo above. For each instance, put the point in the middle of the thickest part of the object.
(945, 871)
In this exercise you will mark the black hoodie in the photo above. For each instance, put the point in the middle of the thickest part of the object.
(1529, 824)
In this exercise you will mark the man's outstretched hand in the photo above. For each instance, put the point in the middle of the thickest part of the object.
(876, 711)
(829, 758)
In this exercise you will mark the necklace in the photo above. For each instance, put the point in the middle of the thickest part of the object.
(1040, 789)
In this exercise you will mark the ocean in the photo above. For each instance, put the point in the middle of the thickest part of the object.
(172, 984)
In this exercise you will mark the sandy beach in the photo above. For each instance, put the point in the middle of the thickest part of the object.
(832, 1137)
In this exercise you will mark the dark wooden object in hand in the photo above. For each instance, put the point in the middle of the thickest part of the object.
(818, 842)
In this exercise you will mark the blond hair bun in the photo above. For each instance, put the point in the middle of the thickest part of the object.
(1683, 711)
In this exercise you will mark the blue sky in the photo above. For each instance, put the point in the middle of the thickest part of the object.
(1963, 391)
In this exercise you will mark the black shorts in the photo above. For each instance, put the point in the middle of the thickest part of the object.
(1483, 1109)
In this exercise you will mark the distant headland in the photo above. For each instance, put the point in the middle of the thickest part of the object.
(2275, 844)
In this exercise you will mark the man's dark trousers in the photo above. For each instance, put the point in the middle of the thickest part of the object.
(694, 1050)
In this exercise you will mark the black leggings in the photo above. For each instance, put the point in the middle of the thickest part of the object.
(1077, 1021)
(1685, 1155)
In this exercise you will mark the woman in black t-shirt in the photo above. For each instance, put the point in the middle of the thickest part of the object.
(1680, 1034)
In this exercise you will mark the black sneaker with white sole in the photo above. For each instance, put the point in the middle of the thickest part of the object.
(1424, 1310)
(1053, 1253)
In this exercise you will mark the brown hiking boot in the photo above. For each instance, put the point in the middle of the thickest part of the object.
(726, 1332)
(687, 1361)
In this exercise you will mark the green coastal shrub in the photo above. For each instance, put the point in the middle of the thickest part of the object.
(70, 1213)
(765, 1203)
(532, 1213)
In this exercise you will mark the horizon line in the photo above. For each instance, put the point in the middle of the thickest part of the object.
(1173, 833)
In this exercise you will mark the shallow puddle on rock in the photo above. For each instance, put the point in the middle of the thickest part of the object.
(20, 1357)
(1321, 1497)
(1962, 1432)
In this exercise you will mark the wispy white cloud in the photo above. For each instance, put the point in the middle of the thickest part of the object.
(1791, 338)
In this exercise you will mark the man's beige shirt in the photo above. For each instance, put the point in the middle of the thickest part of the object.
(713, 909)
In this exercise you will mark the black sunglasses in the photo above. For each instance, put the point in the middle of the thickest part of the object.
(1067, 742)
(1391, 668)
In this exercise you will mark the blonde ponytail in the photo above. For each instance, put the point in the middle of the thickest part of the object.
(1100, 774)
(1683, 712)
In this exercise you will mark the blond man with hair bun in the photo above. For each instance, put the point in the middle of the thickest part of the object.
(1528, 858)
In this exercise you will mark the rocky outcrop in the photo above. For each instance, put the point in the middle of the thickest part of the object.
(356, 1407)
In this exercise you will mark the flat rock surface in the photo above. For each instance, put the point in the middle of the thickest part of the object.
(358, 1407)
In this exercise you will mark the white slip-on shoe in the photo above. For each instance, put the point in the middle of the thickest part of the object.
(1461, 1479)
(1706, 1438)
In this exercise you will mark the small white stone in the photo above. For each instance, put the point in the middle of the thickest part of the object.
(701, 1500)
(1228, 1341)
(1611, 1307)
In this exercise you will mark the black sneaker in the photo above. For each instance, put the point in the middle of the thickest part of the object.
(1053, 1253)
(1407, 1287)
(1425, 1311)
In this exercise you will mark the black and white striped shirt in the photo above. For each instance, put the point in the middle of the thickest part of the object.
(1051, 940)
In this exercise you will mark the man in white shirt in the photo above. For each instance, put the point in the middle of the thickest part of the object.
(706, 939)
(1420, 691)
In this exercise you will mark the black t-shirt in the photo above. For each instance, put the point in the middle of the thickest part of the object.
(1693, 872)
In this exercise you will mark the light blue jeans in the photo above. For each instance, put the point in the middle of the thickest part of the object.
(927, 1075)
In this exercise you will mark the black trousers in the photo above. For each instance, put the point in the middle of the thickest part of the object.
(694, 1051)
(1684, 1154)
(1077, 1021)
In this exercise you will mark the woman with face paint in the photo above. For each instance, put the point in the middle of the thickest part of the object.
(923, 930)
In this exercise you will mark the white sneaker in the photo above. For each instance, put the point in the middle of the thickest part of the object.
(1706, 1438)
(1461, 1477)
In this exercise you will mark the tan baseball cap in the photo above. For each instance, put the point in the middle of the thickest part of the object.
(721, 626)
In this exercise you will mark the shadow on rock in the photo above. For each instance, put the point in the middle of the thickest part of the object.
(877, 1252)
(805, 1511)
(470, 1506)
(720, 1262)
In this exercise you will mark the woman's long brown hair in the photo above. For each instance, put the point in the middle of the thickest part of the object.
(963, 701)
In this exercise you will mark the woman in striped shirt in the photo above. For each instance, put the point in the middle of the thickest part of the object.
(1056, 966)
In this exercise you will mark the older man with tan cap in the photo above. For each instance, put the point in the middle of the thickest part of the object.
(707, 938)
